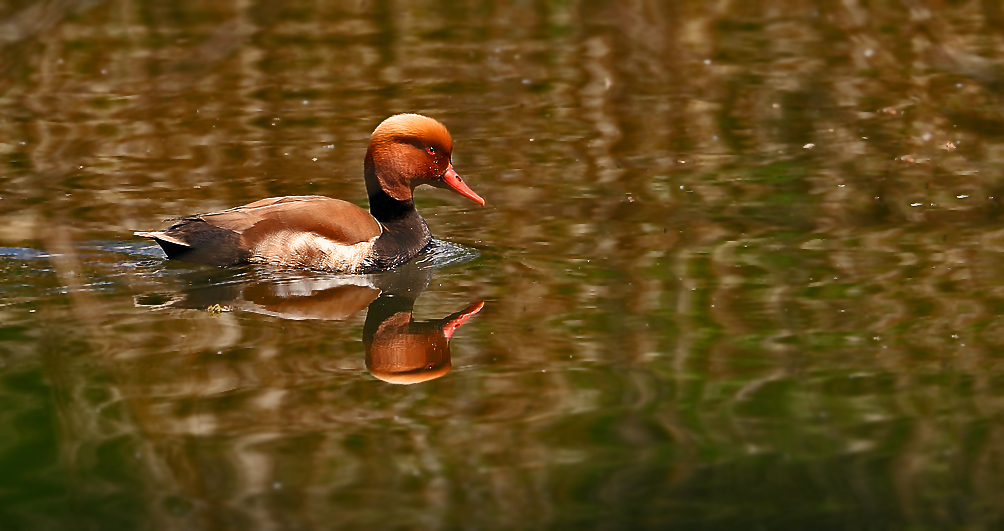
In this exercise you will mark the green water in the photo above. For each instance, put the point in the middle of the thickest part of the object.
(740, 266)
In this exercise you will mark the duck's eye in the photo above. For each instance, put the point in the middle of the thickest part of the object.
(431, 150)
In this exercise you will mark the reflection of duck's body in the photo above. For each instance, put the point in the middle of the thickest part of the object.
(314, 232)
(328, 301)
(398, 349)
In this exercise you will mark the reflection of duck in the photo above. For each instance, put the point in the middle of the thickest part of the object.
(314, 232)
(398, 349)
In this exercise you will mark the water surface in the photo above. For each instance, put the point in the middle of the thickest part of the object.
(740, 267)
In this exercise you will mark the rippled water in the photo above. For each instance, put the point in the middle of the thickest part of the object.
(740, 267)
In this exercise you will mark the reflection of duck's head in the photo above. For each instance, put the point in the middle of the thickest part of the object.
(402, 351)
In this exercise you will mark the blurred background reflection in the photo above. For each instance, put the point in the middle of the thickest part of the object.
(741, 265)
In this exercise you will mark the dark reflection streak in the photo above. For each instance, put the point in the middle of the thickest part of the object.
(386, 40)
(944, 52)
(40, 17)
(55, 162)
(26, 24)
(387, 35)
(993, 10)
(630, 60)
(220, 45)
(270, 63)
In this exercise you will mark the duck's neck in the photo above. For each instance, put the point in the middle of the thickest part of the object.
(405, 233)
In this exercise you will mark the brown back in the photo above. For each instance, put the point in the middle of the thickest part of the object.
(334, 219)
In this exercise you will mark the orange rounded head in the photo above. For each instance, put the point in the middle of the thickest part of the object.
(408, 150)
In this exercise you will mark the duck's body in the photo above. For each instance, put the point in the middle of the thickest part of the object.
(315, 232)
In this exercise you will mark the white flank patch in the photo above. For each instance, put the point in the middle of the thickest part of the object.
(307, 250)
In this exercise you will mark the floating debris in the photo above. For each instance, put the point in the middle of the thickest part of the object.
(216, 309)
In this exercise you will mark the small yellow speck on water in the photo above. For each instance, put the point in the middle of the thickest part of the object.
(216, 309)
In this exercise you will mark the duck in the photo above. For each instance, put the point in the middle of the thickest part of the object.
(321, 233)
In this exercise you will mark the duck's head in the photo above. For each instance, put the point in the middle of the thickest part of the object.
(408, 150)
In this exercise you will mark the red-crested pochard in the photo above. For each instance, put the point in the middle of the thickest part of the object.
(316, 232)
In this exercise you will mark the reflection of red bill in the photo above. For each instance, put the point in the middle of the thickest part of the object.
(453, 180)
(454, 321)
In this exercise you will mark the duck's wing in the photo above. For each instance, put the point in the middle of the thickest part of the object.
(339, 221)
(232, 236)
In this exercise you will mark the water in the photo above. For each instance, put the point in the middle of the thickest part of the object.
(739, 267)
